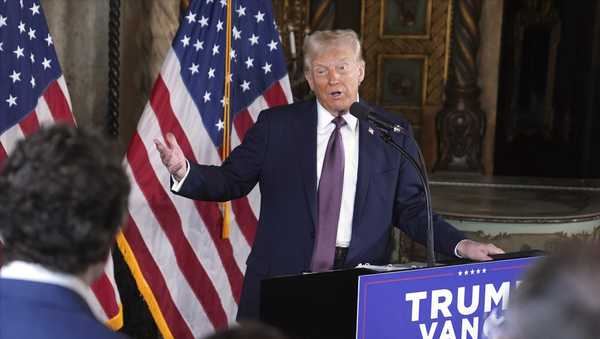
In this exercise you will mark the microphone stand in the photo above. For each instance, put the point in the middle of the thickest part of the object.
(387, 138)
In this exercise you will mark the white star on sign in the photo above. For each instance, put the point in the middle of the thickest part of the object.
(245, 86)
(253, 40)
(191, 17)
(241, 11)
(185, 41)
(203, 21)
(46, 63)
(206, 96)
(259, 17)
(272, 45)
(19, 52)
(249, 62)
(199, 45)
(15, 76)
(194, 68)
(12, 101)
(267, 67)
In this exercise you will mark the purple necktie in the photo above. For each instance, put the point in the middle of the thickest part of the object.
(329, 200)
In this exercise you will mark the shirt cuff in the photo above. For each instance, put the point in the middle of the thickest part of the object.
(456, 249)
(177, 184)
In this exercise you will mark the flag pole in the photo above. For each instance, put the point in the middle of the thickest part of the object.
(226, 118)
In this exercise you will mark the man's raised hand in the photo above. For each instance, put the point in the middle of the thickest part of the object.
(172, 156)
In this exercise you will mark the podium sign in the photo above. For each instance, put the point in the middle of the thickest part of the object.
(459, 302)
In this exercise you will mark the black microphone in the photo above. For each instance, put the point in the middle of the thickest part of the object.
(365, 113)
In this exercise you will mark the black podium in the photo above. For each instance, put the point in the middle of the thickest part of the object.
(324, 305)
(314, 305)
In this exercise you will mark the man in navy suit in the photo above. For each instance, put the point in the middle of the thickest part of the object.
(64, 195)
(285, 152)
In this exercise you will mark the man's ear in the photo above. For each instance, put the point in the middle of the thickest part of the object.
(361, 72)
(309, 79)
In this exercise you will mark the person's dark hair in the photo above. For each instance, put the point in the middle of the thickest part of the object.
(558, 298)
(249, 330)
(64, 196)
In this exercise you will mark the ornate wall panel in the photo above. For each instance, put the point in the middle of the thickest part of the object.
(292, 18)
(406, 51)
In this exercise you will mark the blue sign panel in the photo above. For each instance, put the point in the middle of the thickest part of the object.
(451, 302)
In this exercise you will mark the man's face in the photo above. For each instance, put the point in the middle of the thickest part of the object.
(334, 77)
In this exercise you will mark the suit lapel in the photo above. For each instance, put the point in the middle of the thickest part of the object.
(306, 134)
(365, 147)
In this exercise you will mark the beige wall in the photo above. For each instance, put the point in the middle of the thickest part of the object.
(80, 32)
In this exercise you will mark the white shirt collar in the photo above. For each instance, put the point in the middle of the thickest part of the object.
(324, 118)
(20, 270)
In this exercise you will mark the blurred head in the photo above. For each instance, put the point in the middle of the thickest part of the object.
(249, 330)
(64, 196)
(334, 68)
(558, 298)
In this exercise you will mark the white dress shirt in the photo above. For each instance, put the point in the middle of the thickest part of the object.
(349, 131)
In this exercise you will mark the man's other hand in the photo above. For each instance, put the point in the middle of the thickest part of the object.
(477, 251)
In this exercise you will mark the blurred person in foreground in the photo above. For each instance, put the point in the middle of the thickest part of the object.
(249, 330)
(64, 196)
(559, 298)
(330, 190)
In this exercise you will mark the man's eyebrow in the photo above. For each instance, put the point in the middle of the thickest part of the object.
(340, 61)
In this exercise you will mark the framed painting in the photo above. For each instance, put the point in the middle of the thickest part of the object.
(405, 19)
(401, 80)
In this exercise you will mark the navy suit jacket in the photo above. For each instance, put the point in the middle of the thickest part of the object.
(44, 311)
(279, 153)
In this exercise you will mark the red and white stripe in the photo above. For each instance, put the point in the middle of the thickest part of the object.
(54, 106)
(190, 277)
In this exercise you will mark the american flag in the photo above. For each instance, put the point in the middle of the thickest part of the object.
(33, 93)
(190, 277)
